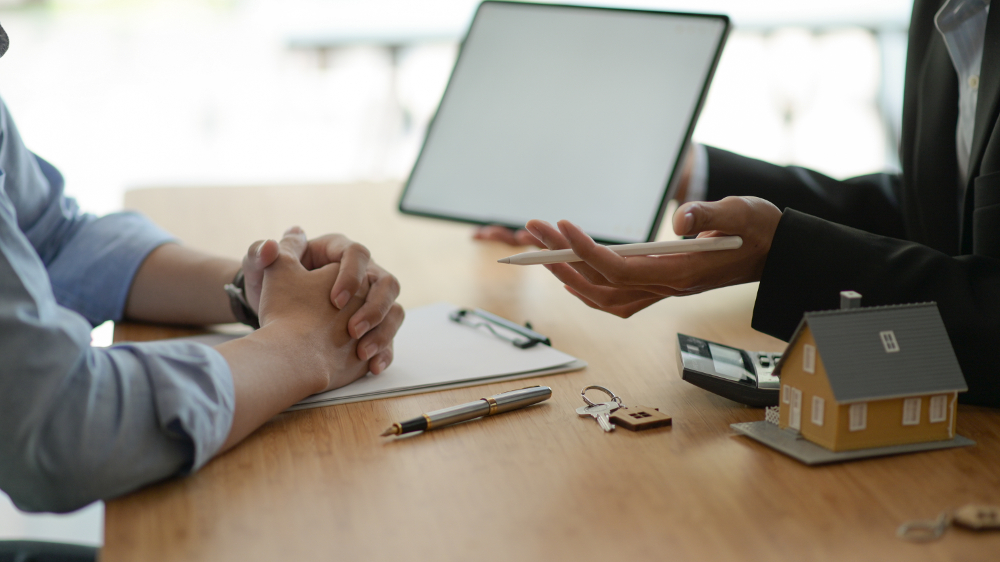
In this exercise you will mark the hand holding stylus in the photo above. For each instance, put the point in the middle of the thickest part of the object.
(623, 286)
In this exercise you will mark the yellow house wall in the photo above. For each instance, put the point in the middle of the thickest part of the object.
(810, 384)
(885, 425)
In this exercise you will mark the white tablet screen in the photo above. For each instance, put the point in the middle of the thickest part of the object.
(561, 112)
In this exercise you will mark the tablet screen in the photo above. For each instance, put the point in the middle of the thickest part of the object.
(566, 112)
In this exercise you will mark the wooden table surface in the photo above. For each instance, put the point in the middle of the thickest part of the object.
(535, 484)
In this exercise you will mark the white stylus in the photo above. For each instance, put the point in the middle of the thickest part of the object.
(641, 249)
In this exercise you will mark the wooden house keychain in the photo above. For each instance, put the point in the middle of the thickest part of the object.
(636, 418)
(976, 517)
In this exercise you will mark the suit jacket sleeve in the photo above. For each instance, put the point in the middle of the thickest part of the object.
(870, 203)
(847, 235)
(812, 260)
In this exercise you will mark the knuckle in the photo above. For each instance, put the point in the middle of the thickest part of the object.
(359, 248)
(392, 283)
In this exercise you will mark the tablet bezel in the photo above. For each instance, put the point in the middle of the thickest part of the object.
(668, 189)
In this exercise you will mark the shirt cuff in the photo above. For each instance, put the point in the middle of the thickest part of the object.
(192, 389)
(93, 272)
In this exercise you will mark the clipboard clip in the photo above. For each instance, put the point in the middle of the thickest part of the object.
(521, 336)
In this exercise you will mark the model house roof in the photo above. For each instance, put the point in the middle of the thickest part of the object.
(884, 352)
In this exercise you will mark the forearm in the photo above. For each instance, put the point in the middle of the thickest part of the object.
(179, 285)
(270, 373)
(291, 357)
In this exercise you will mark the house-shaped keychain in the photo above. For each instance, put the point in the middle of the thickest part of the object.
(860, 382)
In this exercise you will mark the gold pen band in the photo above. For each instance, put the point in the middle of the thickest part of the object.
(493, 405)
(428, 421)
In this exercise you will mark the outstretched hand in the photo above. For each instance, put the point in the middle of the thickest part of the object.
(625, 285)
(375, 323)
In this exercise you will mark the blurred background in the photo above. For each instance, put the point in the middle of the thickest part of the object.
(121, 94)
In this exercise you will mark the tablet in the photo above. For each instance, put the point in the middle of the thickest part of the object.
(566, 112)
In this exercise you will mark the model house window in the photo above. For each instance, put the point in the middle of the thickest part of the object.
(911, 411)
(785, 391)
(817, 410)
(889, 341)
(809, 358)
(858, 414)
(939, 408)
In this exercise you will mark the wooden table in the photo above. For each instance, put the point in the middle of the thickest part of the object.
(540, 483)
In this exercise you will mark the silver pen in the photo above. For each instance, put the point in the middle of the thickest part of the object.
(496, 404)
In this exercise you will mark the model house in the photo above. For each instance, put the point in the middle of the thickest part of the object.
(857, 378)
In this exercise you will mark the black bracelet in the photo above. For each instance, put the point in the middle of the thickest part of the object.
(238, 301)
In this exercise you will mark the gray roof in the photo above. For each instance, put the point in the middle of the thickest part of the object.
(860, 369)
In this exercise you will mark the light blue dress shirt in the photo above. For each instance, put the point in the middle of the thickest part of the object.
(79, 424)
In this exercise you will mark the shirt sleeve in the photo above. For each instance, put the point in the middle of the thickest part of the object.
(90, 260)
(79, 424)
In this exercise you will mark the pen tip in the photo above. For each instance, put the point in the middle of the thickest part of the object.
(503, 260)
(394, 430)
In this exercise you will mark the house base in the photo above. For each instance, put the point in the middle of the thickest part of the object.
(795, 446)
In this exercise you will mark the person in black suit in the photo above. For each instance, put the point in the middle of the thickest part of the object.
(931, 233)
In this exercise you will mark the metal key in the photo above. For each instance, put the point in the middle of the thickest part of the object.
(600, 412)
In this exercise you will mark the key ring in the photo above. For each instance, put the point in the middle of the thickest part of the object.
(923, 531)
(583, 394)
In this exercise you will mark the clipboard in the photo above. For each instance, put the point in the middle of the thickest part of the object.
(442, 346)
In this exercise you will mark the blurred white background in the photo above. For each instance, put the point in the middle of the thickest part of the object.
(129, 93)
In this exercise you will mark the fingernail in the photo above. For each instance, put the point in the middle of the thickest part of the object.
(380, 367)
(342, 299)
(369, 351)
(688, 222)
(362, 328)
(260, 248)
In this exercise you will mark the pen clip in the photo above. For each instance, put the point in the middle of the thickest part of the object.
(524, 337)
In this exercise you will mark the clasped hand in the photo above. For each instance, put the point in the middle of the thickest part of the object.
(332, 279)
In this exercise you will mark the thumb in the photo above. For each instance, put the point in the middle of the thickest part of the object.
(260, 255)
(700, 216)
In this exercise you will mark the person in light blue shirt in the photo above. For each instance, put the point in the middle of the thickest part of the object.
(79, 424)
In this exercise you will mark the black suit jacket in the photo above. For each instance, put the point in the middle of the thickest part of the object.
(896, 239)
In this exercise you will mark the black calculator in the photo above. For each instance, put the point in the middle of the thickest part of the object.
(739, 375)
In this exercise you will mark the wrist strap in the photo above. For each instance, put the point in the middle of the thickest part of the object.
(238, 301)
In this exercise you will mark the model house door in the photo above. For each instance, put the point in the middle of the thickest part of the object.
(795, 412)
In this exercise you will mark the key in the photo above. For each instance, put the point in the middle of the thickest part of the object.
(600, 412)
(976, 517)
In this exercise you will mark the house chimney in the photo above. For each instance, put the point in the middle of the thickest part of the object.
(849, 300)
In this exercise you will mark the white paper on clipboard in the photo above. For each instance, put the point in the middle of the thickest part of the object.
(432, 352)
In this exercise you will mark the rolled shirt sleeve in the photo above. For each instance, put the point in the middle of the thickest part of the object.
(77, 423)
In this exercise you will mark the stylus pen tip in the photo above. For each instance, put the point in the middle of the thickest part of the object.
(503, 260)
